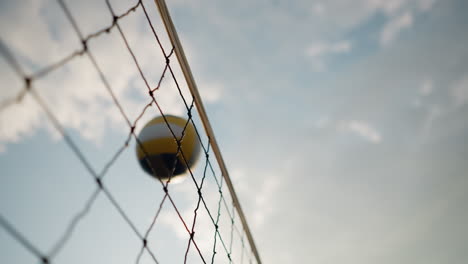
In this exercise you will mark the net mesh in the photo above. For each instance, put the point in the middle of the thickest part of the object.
(196, 222)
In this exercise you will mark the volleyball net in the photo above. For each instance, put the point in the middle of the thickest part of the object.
(200, 221)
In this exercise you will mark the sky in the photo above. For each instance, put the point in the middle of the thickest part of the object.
(342, 123)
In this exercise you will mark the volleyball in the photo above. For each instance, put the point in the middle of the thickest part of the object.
(157, 147)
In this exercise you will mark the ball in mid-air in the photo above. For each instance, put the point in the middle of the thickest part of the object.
(157, 150)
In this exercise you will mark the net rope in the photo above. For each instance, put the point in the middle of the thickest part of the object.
(101, 189)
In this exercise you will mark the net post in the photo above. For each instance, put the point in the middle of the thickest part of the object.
(170, 28)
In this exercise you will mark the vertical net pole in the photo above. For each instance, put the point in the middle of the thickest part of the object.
(170, 28)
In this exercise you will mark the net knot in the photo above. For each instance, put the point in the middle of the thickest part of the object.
(85, 45)
(99, 183)
(27, 81)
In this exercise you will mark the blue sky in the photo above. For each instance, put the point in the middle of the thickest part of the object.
(342, 123)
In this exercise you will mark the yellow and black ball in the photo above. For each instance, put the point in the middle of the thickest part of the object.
(157, 147)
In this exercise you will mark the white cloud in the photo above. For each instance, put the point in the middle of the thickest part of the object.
(316, 50)
(322, 49)
(363, 129)
(425, 5)
(318, 9)
(319, 52)
(426, 88)
(341, 47)
(211, 92)
(17, 122)
(263, 200)
(459, 91)
(434, 112)
(168, 218)
(343, 16)
(322, 122)
(357, 127)
(257, 188)
(388, 6)
(394, 27)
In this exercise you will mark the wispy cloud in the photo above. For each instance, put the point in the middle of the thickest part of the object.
(362, 129)
(318, 9)
(318, 52)
(427, 87)
(425, 5)
(322, 49)
(263, 200)
(459, 91)
(388, 6)
(394, 27)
